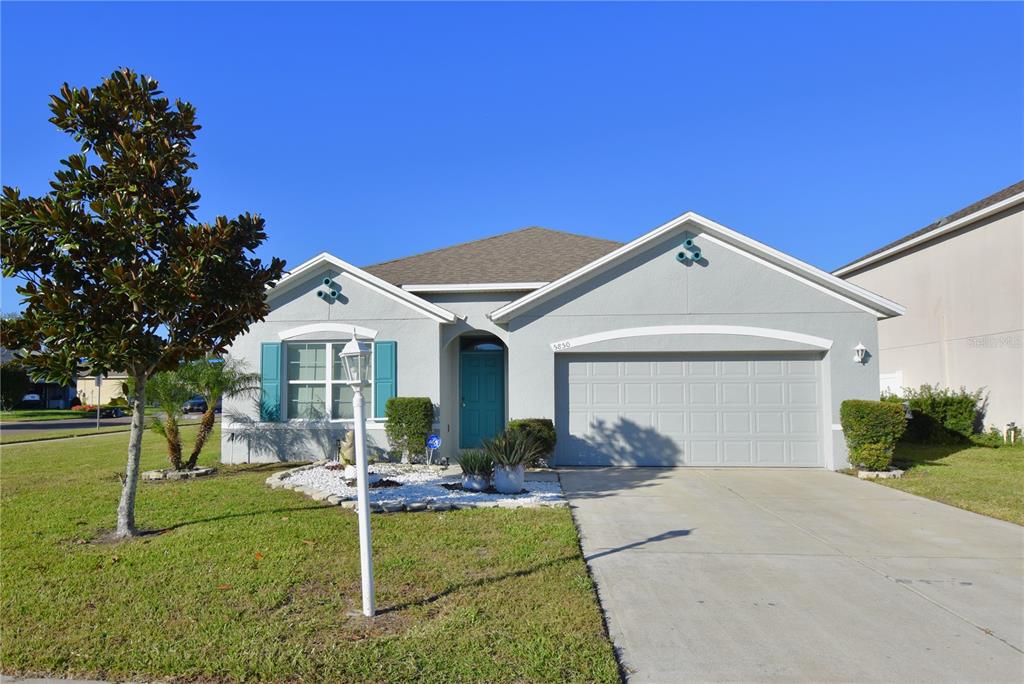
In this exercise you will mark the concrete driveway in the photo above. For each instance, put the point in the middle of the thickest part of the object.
(745, 575)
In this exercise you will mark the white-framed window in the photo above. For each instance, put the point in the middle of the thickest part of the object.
(313, 382)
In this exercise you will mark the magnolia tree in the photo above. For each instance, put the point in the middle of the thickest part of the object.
(117, 272)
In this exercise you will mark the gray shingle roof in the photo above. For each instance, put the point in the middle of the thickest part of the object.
(527, 255)
(1005, 193)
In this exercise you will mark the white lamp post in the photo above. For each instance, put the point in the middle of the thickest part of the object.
(355, 358)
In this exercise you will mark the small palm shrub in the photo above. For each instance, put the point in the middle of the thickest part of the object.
(476, 462)
(514, 448)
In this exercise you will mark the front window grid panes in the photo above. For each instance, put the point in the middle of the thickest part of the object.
(307, 361)
(312, 394)
(341, 402)
(306, 402)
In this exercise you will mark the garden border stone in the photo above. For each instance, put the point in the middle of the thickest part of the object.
(171, 474)
(880, 474)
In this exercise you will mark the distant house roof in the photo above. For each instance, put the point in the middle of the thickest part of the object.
(1004, 197)
(529, 256)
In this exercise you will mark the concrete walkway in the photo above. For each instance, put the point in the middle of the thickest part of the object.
(797, 575)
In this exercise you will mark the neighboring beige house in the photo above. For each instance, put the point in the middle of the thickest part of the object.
(962, 282)
(108, 388)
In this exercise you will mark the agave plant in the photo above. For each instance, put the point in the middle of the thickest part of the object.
(514, 448)
(476, 462)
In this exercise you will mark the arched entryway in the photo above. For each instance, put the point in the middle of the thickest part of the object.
(481, 388)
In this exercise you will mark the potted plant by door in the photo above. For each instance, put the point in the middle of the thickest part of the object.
(477, 468)
(512, 451)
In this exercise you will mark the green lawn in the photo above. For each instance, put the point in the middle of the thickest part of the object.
(986, 481)
(246, 583)
(36, 415)
(39, 414)
(15, 436)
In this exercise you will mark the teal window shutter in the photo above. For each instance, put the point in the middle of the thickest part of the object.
(385, 375)
(270, 382)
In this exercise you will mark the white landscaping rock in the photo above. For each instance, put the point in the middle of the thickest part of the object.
(420, 485)
(880, 474)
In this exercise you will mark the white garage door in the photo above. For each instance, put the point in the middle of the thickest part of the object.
(696, 410)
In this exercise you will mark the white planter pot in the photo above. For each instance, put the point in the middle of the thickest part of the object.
(509, 480)
(474, 483)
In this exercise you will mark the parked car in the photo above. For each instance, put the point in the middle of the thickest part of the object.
(194, 405)
(112, 412)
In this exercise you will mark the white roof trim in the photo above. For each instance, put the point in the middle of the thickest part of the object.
(655, 330)
(932, 234)
(474, 287)
(371, 281)
(335, 329)
(878, 305)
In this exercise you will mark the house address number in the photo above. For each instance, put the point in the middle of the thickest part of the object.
(559, 346)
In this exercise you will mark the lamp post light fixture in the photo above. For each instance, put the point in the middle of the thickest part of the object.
(355, 361)
(859, 352)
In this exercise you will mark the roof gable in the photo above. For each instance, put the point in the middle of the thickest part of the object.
(372, 282)
(530, 256)
(992, 204)
(783, 263)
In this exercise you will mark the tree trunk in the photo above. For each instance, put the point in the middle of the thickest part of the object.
(173, 442)
(126, 508)
(205, 427)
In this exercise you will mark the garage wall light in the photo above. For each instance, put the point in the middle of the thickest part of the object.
(859, 353)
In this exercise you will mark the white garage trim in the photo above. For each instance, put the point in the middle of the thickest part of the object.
(624, 333)
(826, 411)
(335, 329)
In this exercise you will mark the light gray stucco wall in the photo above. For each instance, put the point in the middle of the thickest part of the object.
(964, 324)
(246, 439)
(653, 288)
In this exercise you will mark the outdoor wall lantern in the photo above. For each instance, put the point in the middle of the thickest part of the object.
(355, 361)
(859, 353)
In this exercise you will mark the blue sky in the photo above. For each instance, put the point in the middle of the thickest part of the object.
(377, 131)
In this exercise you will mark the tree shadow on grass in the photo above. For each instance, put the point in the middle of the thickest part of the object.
(247, 514)
(476, 583)
(909, 455)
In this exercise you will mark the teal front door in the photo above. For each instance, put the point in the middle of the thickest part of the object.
(482, 385)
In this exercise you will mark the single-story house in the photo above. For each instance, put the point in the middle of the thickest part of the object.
(691, 345)
(962, 282)
(41, 395)
(93, 392)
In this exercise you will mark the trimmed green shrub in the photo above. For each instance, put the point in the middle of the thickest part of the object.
(409, 421)
(942, 415)
(541, 428)
(992, 439)
(872, 429)
(476, 462)
(874, 456)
